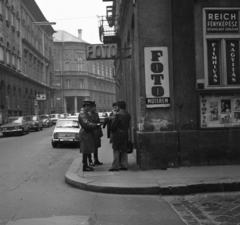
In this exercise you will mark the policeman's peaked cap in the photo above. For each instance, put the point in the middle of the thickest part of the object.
(85, 103)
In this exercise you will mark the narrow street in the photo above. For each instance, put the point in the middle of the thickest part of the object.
(33, 189)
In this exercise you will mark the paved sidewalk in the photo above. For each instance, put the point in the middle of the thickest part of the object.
(173, 181)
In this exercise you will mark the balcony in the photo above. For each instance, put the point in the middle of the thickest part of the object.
(108, 27)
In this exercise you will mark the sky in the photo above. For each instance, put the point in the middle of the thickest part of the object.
(72, 15)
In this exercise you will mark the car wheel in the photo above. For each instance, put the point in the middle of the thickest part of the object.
(54, 144)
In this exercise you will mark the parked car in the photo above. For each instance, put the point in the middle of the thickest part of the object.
(103, 117)
(47, 122)
(66, 131)
(15, 125)
(54, 118)
(35, 122)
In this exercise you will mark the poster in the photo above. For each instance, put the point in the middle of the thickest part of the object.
(220, 110)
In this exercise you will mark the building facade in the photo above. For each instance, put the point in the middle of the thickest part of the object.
(25, 59)
(77, 79)
(182, 80)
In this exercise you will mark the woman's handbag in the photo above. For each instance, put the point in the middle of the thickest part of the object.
(129, 147)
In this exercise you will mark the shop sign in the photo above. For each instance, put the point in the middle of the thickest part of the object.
(157, 77)
(232, 55)
(40, 97)
(220, 110)
(102, 52)
(213, 62)
(222, 21)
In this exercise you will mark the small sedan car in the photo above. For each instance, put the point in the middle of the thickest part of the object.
(47, 122)
(35, 123)
(66, 132)
(103, 117)
(55, 117)
(16, 125)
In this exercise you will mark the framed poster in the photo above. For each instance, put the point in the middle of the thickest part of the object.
(219, 109)
(156, 77)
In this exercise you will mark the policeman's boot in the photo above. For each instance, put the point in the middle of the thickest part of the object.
(87, 168)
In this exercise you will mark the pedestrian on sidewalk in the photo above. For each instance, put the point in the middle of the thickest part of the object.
(119, 127)
(87, 144)
(97, 133)
(109, 120)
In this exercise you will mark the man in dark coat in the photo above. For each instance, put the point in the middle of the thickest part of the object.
(109, 120)
(87, 144)
(119, 127)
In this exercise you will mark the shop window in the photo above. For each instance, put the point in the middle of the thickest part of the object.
(221, 47)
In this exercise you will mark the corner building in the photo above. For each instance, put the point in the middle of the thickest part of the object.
(77, 79)
(179, 74)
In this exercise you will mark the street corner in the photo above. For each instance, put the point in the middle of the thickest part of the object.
(220, 208)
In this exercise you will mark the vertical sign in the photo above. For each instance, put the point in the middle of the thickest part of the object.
(213, 62)
(232, 51)
(157, 77)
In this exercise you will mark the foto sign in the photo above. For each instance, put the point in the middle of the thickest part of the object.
(157, 77)
(102, 52)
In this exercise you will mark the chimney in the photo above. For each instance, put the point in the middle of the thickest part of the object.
(80, 34)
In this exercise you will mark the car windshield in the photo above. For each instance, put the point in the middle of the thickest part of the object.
(53, 116)
(15, 120)
(67, 124)
(45, 117)
(34, 118)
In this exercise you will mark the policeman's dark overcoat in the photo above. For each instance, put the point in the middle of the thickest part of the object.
(87, 144)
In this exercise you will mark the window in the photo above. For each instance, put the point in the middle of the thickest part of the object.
(18, 61)
(110, 72)
(68, 84)
(221, 47)
(106, 71)
(103, 70)
(13, 58)
(81, 84)
(8, 54)
(1, 9)
(6, 11)
(1, 49)
(67, 66)
(98, 68)
(79, 63)
(93, 68)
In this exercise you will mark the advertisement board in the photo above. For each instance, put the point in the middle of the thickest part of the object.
(219, 110)
(156, 77)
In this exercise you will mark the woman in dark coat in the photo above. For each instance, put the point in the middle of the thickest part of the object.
(119, 127)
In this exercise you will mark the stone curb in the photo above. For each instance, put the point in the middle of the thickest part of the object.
(72, 178)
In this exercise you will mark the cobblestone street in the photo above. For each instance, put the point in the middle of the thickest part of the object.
(207, 209)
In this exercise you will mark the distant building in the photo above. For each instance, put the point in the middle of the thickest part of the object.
(25, 59)
(76, 79)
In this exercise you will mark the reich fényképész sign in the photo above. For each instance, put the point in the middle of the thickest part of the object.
(40, 97)
(222, 21)
(157, 77)
(102, 52)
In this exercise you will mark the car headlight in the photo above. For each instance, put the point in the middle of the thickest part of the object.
(55, 135)
(76, 136)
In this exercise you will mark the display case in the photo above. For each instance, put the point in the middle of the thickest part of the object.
(219, 109)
